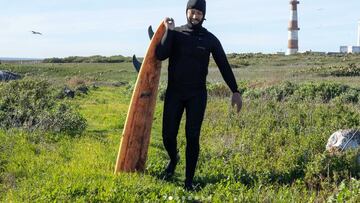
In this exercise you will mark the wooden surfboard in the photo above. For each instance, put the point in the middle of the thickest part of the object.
(136, 133)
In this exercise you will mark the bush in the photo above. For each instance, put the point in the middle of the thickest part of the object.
(349, 70)
(218, 90)
(332, 168)
(323, 92)
(348, 192)
(90, 59)
(62, 119)
(281, 92)
(31, 105)
(351, 96)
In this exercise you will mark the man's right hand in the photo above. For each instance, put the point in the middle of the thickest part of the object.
(169, 23)
(236, 99)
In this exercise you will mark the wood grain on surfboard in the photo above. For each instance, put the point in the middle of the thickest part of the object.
(136, 133)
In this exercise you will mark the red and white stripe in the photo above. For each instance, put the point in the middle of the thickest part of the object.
(293, 40)
(358, 42)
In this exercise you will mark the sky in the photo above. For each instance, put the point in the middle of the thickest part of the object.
(119, 27)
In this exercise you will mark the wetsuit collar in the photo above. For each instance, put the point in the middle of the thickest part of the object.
(191, 28)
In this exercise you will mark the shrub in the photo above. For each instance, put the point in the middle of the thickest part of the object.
(348, 191)
(90, 59)
(62, 119)
(218, 90)
(281, 92)
(76, 81)
(31, 105)
(323, 92)
(327, 167)
(351, 96)
(349, 70)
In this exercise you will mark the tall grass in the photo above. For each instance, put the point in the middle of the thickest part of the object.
(273, 151)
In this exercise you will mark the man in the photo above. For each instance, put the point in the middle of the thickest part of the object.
(188, 48)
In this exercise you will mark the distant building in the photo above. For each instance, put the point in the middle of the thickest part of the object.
(349, 49)
(352, 49)
(343, 49)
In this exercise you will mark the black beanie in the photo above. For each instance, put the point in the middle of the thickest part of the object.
(197, 4)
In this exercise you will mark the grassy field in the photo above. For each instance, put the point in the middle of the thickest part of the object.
(258, 69)
(273, 151)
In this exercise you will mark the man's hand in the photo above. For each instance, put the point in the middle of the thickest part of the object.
(237, 100)
(169, 23)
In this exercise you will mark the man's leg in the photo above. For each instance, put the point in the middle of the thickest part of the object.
(195, 109)
(173, 110)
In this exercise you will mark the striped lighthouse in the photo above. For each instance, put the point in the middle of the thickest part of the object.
(293, 43)
(358, 39)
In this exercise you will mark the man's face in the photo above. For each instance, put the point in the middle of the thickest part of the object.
(195, 16)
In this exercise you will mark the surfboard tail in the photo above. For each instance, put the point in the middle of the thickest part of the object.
(135, 141)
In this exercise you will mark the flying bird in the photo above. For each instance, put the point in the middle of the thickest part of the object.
(36, 33)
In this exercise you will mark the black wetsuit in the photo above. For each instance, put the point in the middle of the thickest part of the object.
(189, 51)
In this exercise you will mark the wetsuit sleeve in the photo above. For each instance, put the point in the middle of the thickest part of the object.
(224, 66)
(163, 49)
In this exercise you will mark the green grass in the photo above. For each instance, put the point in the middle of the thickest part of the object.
(270, 152)
(268, 70)
(265, 70)
(105, 108)
(60, 73)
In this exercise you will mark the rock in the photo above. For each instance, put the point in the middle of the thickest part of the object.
(342, 140)
(69, 93)
(119, 84)
(95, 86)
(6, 76)
(82, 89)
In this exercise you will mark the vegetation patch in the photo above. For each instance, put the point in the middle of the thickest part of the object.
(310, 91)
(349, 70)
(90, 59)
(272, 151)
(32, 105)
(332, 168)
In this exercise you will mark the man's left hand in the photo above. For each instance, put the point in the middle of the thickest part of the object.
(237, 100)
